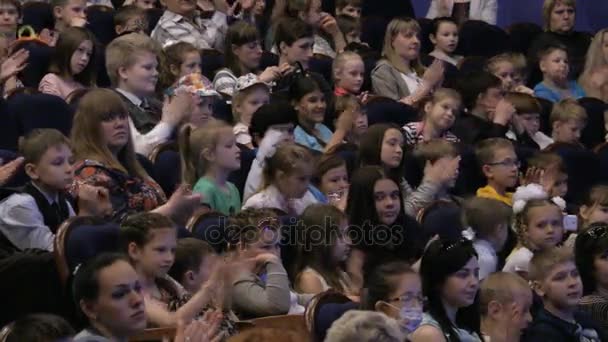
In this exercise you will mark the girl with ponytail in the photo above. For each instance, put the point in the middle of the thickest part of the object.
(208, 155)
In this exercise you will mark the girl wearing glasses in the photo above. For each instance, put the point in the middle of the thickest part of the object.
(450, 281)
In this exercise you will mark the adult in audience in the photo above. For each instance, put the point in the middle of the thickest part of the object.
(37, 328)
(594, 78)
(463, 10)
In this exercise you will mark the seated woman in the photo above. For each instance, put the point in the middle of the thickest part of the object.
(463, 10)
(72, 65)
(105, 157)
(594, 79)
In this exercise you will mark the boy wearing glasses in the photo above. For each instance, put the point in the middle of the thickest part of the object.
(500, 166)
(568, 119)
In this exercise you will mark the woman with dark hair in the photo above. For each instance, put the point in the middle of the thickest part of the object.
(450, 282)
(591, 256)
(37, 328)
(108, 293)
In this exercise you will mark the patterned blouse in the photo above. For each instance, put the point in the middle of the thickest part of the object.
(128, 194)
(413, 134)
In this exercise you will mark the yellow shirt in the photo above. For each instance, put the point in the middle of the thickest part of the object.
(489, 192)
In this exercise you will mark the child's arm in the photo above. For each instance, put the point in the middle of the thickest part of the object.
(159, 314)
(427, 333)
(48, 85)
(23, 225)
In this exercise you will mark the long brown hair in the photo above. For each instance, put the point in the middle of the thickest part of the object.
(69, 41)
(395, 27)
(87, 139)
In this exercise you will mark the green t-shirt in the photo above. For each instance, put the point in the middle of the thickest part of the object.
(226, 202)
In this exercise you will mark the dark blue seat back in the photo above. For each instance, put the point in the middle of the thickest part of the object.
(594, 132)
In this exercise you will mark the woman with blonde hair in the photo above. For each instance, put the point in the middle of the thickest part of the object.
(400, 75)
(105, 156)
(595, 75)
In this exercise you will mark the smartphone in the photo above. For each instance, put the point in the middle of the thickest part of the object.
(570, 223)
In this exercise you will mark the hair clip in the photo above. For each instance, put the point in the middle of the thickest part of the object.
(597, 232)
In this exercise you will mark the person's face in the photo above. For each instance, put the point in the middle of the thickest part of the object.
(595, 213)
(391, 151)
(562, 287)
(144, 4)
(562, 18)
(140, 78)
(446, 39)
(54, 169)
(156, 257)
(73, 9)
(9, 17)
(299, 51)
(350, 10)
(81, 57)
(489, 99)
(605, 47)
(461, 287)
(200, 276)
(191, 64)
(202, 111)
(350, 75)
(506, 72)
(227, 154)
(600, 267)
(311, 107)
(388, 200)
(259, 7)
(269, 242)
(181, 7)
(531, 122)
(115, 131)
(505, 168)
(119, 307)
(335, 180)
(407, 294)
(555, 66)
(407, 45)
(295, 184)
(501, 233)
(252, 102)
(360, 123)
(249, 54)
(442, 114)
(568, 131)
(341, 249)
(544, 227)
(313, 17)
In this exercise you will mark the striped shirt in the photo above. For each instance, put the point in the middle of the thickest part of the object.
(202, 33)
(413, 134)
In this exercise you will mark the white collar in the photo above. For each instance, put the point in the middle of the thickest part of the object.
(51, 198)
(131, 97)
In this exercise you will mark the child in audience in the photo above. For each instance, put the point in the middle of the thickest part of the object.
(130, 19)
(440, 152)
(131, 64)
(444, 36)
(194, 262)
(348, 72)
(590, 250)
(450, 281)
(204, 98)
(11, 15)
(31, 218)
(349, 108)
(287, 175)
(72, 65)
(250, 94)
(351, 29)
(557, 281)
(505, 300)
(331, 178)
(177, 61)
(382, 146)
(208, 155)
(319, 259)
(264, 291)
(526, 121)
(554, 173)
(440, 113)
(351, 8)
(539, 226)
(487, 113)
(594, 207)
(181, 22)
(150, 240)
(500, 167)
(594, 78)
(490, 220)
(502, 67)
(568, 119)
(520, 76)
(69, 13)
(242, 56)
(553, 61)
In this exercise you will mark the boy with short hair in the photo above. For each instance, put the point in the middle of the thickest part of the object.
(568, 119)
(351, 8)
(505, 301)
(526, 122)
(31, 217)
(556, 280)
(130, 19)
(430, 152)
(10, 14)
(490, 220)
(181, 22)
(488, 114)
(555, 172)
(194, 262)
(350, 27)
(500, 166)
(68, 13)
(131, 62)
(556, 85)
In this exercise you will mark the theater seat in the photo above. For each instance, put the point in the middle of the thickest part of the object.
(384, 110)
(38, 15)
(594, 132)
(522, 35)
(478, 38)
(101, 23)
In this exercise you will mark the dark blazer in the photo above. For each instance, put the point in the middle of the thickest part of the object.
(144, 120)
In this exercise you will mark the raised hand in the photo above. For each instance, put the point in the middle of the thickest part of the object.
(176, 108)
(504, 112)
(12, 65)
(8, 170)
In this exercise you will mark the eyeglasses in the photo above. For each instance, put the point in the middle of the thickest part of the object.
(409, 299)
(507, 163)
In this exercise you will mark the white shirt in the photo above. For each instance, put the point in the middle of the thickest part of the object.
(412, 81)
(518, 261)
(266, 149)
(271, 197)
(22, 223)
(144, 143)
(487, 257)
